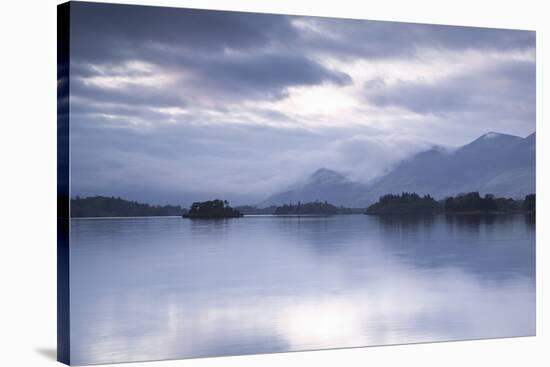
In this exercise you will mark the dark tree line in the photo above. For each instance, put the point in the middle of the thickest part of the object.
(313, 208)
(102, 206)
(471, 202)
(249, 209)
(404, 203)
(474, 202)
(530, 204)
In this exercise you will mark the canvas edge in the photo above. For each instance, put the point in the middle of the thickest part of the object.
(63, 184)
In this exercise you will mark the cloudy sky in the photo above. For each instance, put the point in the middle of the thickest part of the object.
(174, 105)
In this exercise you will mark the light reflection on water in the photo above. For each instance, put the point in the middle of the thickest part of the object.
(162, 288)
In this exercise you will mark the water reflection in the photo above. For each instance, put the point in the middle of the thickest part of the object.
(492, 246)
(159, 288)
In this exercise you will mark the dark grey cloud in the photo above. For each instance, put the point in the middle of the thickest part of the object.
(132, 94)
(197, 42)
(254, 55)
(258, 74)
(106, 114)
(378, 39)
(505, 90)
(110, 31)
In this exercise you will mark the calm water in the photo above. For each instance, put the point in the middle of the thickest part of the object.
(161, 288)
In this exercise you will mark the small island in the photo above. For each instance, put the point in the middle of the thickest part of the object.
(468, 203)
(212, 209)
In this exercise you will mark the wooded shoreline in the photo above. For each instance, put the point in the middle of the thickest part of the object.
(403, 204)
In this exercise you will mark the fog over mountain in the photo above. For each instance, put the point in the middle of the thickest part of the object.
(494, 163)
(323, 184)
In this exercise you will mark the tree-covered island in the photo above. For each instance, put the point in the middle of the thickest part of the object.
(212, 209)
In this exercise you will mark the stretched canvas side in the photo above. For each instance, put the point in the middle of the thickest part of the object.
(63, 182)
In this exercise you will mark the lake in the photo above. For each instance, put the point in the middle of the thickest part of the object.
(164, 288)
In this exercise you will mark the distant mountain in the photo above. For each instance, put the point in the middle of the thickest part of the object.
(503, 165)
(495, 163)
(323, 184)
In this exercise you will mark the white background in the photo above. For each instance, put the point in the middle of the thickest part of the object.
(28, 182)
